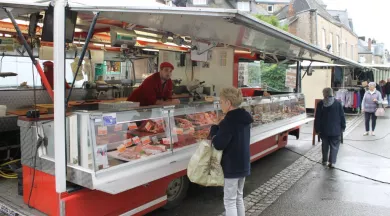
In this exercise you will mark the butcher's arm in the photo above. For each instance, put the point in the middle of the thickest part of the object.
(168, 102)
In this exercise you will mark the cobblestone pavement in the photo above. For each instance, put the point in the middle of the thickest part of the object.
(257, 201)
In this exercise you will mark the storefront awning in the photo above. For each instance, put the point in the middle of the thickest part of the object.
(226, 26)
(20, 8)
(377, 66)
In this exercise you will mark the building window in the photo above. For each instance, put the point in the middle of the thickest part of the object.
(331, 42)
(337, 44)
(243, 6)
(270, 8)
(323, 38)
(346, 49)
(199, 2)
(352, 54)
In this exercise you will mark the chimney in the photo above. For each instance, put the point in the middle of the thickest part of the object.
(291, 12)
(369, 44)
(292, 29)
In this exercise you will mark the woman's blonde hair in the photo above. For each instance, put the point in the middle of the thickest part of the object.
(233, 95)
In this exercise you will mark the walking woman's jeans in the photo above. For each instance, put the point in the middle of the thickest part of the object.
(367, 117)
(331, 143)
(234, 197)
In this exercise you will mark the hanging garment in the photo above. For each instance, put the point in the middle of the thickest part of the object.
(341, 96)
(338, 75)
(370, 76)
(355, 100)
(348, 99)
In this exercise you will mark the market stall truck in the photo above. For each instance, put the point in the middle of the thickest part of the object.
(132, 161)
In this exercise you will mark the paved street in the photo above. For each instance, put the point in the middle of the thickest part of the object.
(286, 183)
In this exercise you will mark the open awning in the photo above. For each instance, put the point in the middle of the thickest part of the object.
(226, 26)
(21, 8)
(377, 66)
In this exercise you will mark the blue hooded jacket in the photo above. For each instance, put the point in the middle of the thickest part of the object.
(232, 135)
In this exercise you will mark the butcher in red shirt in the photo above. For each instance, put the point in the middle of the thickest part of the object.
(157, 89)
(49, 73)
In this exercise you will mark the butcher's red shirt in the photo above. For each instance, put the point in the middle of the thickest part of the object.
(50, 78)
(152, 90)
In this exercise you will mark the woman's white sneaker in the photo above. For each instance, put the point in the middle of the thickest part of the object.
(365, 134)
(372, 134)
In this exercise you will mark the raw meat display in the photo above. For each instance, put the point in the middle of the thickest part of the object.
(153, 149)
(138, 151)
(134, 140)
(153, 126)
(203, 118)
(130, 154)
(183, 123)
(184, 140)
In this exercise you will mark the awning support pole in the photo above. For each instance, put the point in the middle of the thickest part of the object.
(298, 78)
(30, 53)
(59, 99)
(83, 50)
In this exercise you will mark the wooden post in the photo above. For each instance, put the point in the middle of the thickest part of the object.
(314, 130)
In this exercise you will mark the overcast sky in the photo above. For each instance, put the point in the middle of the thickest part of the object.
(370, 18)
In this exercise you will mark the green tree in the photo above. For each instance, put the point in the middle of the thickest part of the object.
(272, 74)
(273, 20)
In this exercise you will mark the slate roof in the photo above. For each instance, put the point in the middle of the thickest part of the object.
(305, 5)
(341, 16)
(258, 10)
(283, 13)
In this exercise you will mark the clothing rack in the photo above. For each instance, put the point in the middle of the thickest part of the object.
(350, 98)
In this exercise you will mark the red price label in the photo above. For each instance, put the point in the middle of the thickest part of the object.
(128, 143)
(179, 131)
(102, 131)
(136, 140)
(145, 140)
(118, 127)
(132, 126)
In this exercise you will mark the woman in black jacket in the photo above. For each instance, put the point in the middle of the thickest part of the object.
(329, 124)
(387, 92)
(232, 135)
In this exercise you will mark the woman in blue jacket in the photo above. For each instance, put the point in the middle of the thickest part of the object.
(232, 135)
(329, 124)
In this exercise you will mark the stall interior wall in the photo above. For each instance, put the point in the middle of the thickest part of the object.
(218, 71)
(312, 86)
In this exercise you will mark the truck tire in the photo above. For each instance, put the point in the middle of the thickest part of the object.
(176, 192)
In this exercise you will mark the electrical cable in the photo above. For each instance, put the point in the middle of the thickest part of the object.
(339, 169)
(357, 140)
(368, 152)
(7, 173)
(10, 162)
(39, 141)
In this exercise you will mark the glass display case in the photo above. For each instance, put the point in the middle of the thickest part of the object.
(115, 150)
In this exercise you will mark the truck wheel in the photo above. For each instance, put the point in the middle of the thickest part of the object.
(176, 192)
